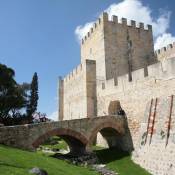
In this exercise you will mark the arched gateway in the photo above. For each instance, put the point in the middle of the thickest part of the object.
(78, 133)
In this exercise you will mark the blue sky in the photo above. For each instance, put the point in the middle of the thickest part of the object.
(39, 36)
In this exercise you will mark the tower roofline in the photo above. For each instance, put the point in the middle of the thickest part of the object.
(104, 17)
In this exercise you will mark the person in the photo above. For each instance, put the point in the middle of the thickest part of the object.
(121, 112)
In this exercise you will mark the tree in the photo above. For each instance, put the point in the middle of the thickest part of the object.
(12, 97)
(33, 98)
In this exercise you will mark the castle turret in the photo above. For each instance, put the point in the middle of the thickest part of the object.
(117, 47)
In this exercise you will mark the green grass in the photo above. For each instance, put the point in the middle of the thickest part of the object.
(119, 161)
(55, 143)
(17, 162)
(60, 145)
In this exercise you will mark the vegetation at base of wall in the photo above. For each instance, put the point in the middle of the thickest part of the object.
(55, 142)
(119, 161)
(17, 162)
(116, 160)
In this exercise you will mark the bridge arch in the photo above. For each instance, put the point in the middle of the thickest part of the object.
(110, 131)
(76, 141)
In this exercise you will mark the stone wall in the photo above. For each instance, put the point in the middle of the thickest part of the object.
(74, 97)
(127, 70)
(165, 52)
(127, 47)
(117, 47)
(134, 95)
(92, 47)
(78, 133)
(77, 95)
(156, 145)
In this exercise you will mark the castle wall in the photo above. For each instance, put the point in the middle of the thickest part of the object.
(92, 47)
(77, 92)
(127, 47)
(134, 95)
(165, 52)
(118, 48)
(118, 63)
(156, 144)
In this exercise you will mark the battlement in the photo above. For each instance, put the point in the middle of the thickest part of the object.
(158, 71)
(78, 70)
(166, 52)
(104, 18)
(74, 73)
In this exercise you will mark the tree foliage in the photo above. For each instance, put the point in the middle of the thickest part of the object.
(33, 98)
(17, 101)
(12, 97)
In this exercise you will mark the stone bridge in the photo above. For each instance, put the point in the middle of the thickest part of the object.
(79, 134)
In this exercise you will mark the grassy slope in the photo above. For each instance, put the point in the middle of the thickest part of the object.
(17, 162)
(120, 162)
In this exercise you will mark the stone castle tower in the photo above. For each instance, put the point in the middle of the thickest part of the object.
(118, 48)
(109, 50)
(119, 65)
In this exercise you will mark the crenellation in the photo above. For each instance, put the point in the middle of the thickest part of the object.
(133, 23)
(149, 27)
(160, 70)
(94, 26)
(141, 25)
(82, 41)
(165, 52)
(124, 21)
(104, 19)
(115, 19)
(75, 72)
(99, 21)
(170, 46)
(163, 49)
(117, 51)
(70, 75)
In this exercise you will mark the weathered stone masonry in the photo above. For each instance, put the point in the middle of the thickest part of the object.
(78, 133)
(126, 69)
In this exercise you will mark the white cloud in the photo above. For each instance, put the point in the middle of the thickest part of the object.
(81, 31)
(135, 10)
(164, 40)
(54, 116)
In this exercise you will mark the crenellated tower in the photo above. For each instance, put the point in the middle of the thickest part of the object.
(118, 47)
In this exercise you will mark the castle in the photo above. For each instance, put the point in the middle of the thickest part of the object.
(118, 63)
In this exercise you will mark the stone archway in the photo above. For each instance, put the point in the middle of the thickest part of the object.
(76, 141)
(110, 131)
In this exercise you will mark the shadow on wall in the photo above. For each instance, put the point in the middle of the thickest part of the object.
(123, 142)
(111, 138)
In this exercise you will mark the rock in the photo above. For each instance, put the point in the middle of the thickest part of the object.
(103, 170)
(38, 171)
